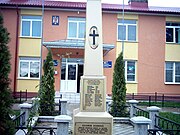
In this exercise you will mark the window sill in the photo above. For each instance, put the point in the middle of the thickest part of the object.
(172, 43)
(127, 41)
(75, 38)
(28, 78)
(168, 83)
(30, 37)
(132, 82)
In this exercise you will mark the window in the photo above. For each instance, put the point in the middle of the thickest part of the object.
(76, 28)
(127, 31)
(173, 32)
(31, 26)
(172, 72)
(130, 71)
(29, 68)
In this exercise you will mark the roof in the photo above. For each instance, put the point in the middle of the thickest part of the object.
(73, 43)
(82, 6)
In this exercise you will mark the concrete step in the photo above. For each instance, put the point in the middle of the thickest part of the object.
(122, 129)
(71, 97)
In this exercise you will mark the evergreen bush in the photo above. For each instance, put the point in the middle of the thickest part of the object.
(46, 91)
(6, 100)
(118, 107)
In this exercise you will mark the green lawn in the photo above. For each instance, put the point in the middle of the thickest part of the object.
(16, 112)
(171, 116)
(159, 104)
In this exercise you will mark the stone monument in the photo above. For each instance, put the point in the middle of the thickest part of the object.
(93, 118)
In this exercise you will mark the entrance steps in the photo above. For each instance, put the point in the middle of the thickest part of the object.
(123, 129)
(71, 97)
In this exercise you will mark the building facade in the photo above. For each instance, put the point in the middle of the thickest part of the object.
(148, 36)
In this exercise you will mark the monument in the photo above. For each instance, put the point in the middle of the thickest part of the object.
(93, 118)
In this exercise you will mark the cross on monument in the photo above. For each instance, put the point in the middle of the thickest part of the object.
(94, 35)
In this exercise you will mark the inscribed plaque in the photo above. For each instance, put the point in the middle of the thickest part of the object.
(93, 94)
(91, 128)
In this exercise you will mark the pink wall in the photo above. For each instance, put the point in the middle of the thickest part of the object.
(109, 37)
(151, 53)
(151, 56)
(53, 32)
(10, 22)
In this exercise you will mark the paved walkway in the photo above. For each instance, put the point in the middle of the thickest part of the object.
(123, 129)
(118, 129)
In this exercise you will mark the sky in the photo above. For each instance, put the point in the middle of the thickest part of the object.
(159, 3)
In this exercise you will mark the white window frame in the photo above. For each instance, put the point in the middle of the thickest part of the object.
(29, 60)
(126, 25)
(174, 31)
(174, 73)
(135, 62)
(77, 23)
(31, 20)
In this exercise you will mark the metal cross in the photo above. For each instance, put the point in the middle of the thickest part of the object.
(94, 35)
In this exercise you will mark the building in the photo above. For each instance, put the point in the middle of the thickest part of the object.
(151, 37)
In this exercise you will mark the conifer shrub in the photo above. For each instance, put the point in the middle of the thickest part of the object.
(46, 91)
(118, 106)
(6, 99)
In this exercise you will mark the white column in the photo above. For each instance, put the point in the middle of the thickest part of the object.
(25, 107)
(153, 110)
(35, 104)
(62, 124)
(132, 104)
(108, 104)
(140, 125)
(93, 59)
(63, 106)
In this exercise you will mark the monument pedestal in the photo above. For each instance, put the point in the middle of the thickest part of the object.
(93, 123)
(93, 118)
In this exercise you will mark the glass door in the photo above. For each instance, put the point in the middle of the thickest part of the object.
(68, 77)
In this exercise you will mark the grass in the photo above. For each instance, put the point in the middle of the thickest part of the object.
(171, 127)
(159, 104)
(16, 112)
(172, 116)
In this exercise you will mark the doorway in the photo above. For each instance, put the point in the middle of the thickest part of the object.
(80, 73)
(71, 72)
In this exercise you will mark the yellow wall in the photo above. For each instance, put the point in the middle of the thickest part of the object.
(130, 50)
(31, 12)
(127, 16)
(130, 53)
(30, 47)
(131, 87)
(30, 85)
(173, 19)
(172, 52)
(172, 49)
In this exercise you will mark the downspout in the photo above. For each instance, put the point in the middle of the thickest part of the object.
(16, 50)
(42, 40)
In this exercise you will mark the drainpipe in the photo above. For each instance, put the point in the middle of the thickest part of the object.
(16, 50)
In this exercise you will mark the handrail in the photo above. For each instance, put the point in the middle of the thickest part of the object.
(163, 132)
(40, 130)
(164, 123)
(141, 112)
(19, 120)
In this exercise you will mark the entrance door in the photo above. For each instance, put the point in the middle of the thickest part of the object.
(69, 77)
(80, 73)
